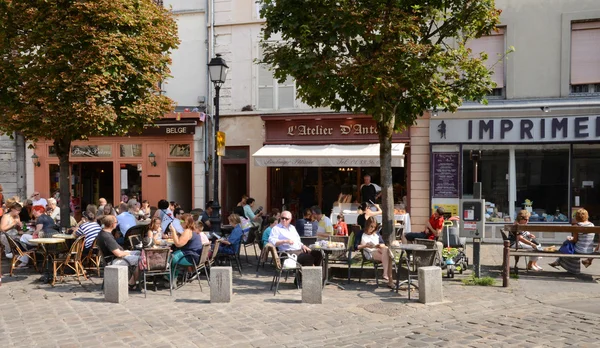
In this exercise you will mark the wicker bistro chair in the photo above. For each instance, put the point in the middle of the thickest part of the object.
(92, 261)
(18, 252)
(157, 262)
(279, 268)
(71, 260)
(212, 259)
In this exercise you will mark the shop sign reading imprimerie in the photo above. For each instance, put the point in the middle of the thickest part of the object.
(515, 130)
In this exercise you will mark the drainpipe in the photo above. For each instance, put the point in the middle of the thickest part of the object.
(210, 5)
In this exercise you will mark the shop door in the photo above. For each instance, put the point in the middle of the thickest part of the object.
(154, 176)
(586, 181)
(130, 186)
(234, 187)
(97, 182)
(179, 184)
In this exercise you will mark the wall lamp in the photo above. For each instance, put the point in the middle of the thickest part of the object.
(36, 160)
(152, 159)
(434, 112)
(545, 108)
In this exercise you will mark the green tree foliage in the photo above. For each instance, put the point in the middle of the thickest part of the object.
(71, 69)
(392, 59)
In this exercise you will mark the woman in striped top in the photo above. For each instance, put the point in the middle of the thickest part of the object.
(89, 228)
(584, 244)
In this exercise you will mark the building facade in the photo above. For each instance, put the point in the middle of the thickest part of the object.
(261, 116)
(167, 161)
(534, 145)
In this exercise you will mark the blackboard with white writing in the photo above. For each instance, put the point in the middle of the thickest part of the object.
(446, 178)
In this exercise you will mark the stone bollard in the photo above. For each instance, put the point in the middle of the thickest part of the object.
(430, 284)
(220, 284)
(116, 284)
(312, 284)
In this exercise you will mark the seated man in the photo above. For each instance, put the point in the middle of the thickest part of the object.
(432, 230)
(127, 219)
(109, 246)
(285, 237)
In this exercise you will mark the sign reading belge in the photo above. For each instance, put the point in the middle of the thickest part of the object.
(518, 130)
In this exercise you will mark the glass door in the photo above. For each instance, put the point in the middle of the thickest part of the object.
(130, 182)
(585, 181)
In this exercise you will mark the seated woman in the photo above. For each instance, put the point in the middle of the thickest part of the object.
(189, 244)
(267, 232)
(9, 224)
(230, 244)
(373, 247)
(526, 240)
(584, 244)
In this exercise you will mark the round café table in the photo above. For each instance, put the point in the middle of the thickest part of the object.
(327, 252)
(405, 252)
(51, 247)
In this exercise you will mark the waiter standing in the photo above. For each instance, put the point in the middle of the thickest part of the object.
(369, 191)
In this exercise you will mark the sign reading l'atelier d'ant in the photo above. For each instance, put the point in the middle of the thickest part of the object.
(325, 131)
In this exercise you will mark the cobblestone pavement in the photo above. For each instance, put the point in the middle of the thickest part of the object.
(535, 311)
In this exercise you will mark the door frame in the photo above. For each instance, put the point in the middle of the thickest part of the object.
(226, 161)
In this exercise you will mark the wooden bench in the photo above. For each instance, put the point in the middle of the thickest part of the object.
(517, 252)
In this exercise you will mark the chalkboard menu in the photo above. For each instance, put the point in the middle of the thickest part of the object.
(446, 175)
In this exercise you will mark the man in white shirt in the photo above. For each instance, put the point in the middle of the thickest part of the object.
(37, 200)
(285, 237)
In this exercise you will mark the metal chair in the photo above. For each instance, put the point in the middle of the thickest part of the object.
(138, 230)
(271, 249)
(252, 239)
(198, 267)
(157, 263)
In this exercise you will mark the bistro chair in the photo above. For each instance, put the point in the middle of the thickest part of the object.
(252, 239)
(18, 252)
(279, 268)
(91, 261)
(157, 262)
(198, 267)
(231, 258)
(71, 260)
(138, 230)
(353, 242)
(212, 259)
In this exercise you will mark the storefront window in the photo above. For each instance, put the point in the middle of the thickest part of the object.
(54, 171)
(130, 150)
(586, 181)
(179, 150)
(542, 182)
(492, 172)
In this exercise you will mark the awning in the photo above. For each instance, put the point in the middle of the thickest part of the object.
(364, 155)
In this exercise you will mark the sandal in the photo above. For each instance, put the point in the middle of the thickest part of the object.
(586, 263)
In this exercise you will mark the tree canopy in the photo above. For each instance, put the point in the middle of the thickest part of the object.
(71, 69)
(392, 59)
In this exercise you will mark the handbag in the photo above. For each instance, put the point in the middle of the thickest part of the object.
(291, 261)
(567, 247)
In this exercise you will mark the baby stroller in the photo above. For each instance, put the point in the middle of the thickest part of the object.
(454, 257)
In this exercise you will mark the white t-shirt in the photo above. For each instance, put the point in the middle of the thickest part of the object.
(41, 201)
(366, 239)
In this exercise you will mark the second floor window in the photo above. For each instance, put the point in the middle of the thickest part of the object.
(273, 94)
(585, 58)
(495, 47)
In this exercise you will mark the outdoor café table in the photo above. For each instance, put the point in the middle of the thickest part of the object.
(51, 247)
(405, 251)
(327, 252)
(144, 222)
(308, 241)
(69, 238)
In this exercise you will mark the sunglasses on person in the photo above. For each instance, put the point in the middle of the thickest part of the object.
(285, 218)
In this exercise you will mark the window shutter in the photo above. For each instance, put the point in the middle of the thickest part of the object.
(494, 46)
(585, 53)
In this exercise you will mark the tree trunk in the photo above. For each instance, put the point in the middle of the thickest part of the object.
(386, 130)
(63, 149)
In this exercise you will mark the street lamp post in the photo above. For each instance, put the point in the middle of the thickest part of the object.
(217, 69)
